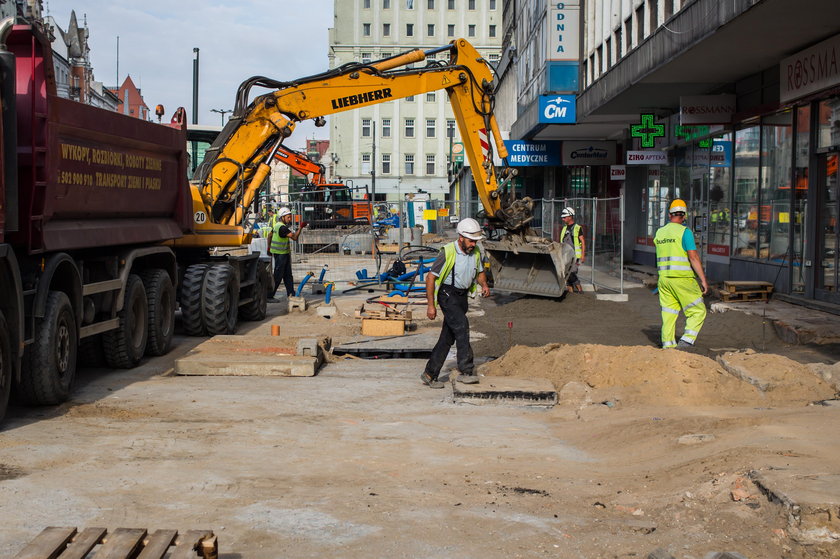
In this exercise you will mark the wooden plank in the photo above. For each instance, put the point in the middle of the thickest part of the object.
(196, 543)
(83, 543)
(122, 543)
(376, 327)
(393, 299)
(48, 544)
(158, 544)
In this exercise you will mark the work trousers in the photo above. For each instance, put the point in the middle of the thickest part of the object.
(456, 329)
(677, 294)
(283, 273)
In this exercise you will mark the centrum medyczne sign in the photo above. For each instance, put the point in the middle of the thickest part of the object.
(523, 153)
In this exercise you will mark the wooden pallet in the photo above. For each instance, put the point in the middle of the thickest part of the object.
(122, 543)
(745, 291)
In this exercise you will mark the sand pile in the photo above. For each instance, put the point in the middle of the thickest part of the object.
(651, 376)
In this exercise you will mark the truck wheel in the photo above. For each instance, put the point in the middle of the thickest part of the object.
(125, 346)
(52, 356)
(160, 294)
(192, 318)
(256, 309)
(5, 366)
(220, 300)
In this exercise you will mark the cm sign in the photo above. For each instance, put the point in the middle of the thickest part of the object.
(558, 109)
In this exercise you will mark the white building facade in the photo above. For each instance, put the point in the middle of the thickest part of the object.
(410, 137)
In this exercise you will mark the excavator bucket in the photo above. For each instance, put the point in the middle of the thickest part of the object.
(530, 265)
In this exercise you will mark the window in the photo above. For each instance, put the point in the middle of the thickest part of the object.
(492, 31)
(430, 97)
(384, 54)
(470, 4)
(653, 14)
(409, 30)
(386, 163)
(409, 128)
(430, 4)
(386, 4)
(617, 44)
(667, 10)
(745, 203)
(430, 164)
(450, 127)
(430, 127)
(493, 58)
(386, 127)
(409, 164)
(450, 30)
(366, 4)
(640, 25)
(430, 30)
(366, 58)
(386, 29)
(608, 44)
(774, 212)
(492, 4)
(450, 4)
(628, 34)
(410, 98)
(365, 128)
(471, 30)
(365, 168)
(409, 4)
(366, 29)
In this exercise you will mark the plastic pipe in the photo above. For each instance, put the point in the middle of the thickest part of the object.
(323, 273)
(328, 295)
(300, 287)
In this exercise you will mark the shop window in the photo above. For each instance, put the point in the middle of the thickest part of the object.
(801, 184)
(745, 200)
(829, 132)
(720, 181)
(775, 195)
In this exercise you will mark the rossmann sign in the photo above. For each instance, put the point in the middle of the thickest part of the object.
(558, 109)
(811, 70)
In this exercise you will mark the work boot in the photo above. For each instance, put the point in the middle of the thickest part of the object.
(430, 382)
(468, 379)
(682, 344)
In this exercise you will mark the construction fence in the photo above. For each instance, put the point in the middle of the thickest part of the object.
(366, 237)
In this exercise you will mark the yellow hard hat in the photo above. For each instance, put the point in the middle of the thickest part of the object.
(678, 206)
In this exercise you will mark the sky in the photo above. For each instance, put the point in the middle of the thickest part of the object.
(280, 39)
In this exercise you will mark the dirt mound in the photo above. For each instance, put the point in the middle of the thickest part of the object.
(650, 376)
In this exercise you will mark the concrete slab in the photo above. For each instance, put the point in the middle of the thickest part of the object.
(506, 390)
(615, 297)
(794, 324)
(406, 346)
(812, 503)
(251, 356)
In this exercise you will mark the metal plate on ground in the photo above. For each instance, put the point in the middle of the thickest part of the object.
(506, 390)
(249, 356)
(412, 346)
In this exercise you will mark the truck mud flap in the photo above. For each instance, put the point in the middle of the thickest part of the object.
(532, 266)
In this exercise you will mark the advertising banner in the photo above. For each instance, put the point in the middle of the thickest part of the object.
(558, 109)
(523, 153)
(647, 158)
(582, 152)
(707, 109)
(810, 70)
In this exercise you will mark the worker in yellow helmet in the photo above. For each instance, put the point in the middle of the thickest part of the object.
(677, 261)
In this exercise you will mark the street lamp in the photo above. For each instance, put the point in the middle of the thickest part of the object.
(222, 112)
(195, 87)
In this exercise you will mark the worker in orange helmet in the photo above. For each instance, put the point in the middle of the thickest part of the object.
(677, 261)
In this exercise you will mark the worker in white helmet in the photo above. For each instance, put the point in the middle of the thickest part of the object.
(280, 248)
(456, 272)
(572, 235)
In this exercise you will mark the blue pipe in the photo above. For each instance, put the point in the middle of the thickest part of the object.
(328, 296)
(323, 273)
(300, 287)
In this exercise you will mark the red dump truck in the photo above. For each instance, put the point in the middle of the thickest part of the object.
(89, 203)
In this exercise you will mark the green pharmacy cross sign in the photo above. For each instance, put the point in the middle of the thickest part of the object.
(647, 131)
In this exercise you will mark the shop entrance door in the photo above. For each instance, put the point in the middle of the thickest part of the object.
(829, 233)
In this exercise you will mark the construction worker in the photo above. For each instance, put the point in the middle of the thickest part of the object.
(454, 275)
(676, 257)
(572, 234)
(278, 245)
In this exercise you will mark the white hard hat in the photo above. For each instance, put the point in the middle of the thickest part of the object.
(469, 228)
(567, 212)
(284, 211)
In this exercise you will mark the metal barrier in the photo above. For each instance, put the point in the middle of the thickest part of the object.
(602, 220)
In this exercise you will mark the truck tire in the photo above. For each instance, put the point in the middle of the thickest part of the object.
(256, 309)
(192, 287)
(220, 301)
(51, 358)
(124, 347)
(6, 366)
(160, 294)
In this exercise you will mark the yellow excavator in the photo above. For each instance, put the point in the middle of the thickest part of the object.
(236, 164)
